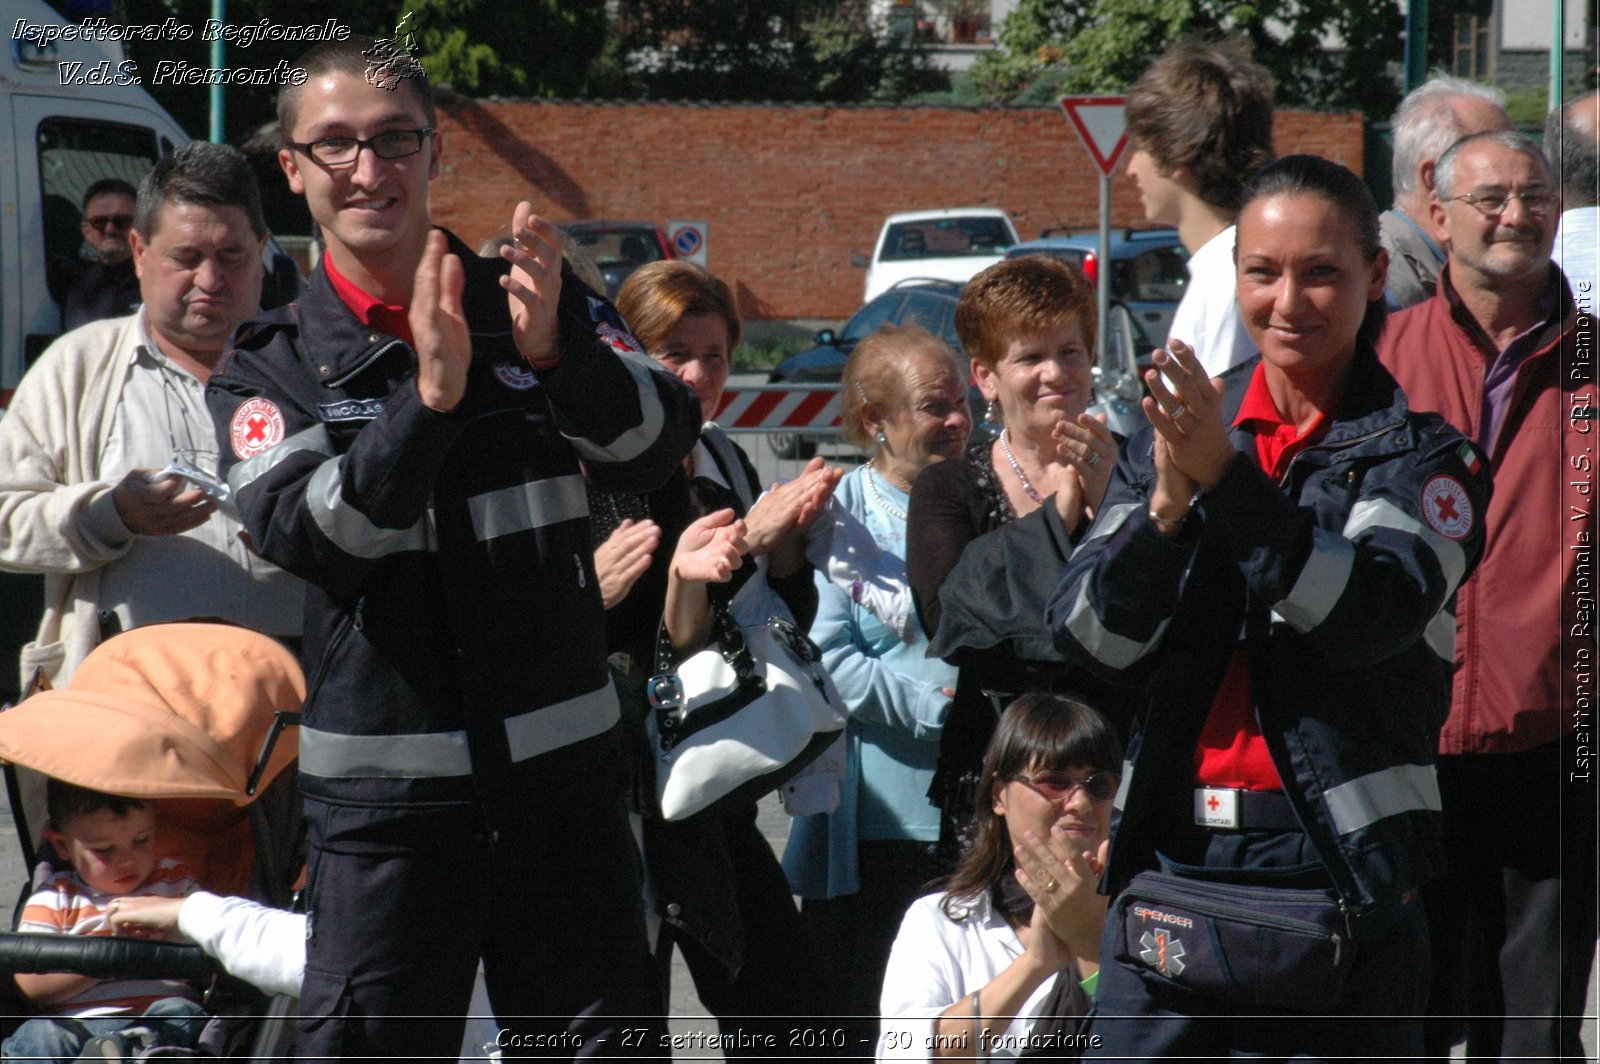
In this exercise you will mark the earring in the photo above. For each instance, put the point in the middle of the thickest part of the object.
(991, 414)
(882, 439)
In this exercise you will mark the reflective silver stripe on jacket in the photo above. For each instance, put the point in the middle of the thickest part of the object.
(1110, 520)
(1380, 513)
(1368, 799)
(423, 755)
(632, 443)
(506, 511)
(1121, 798)
(1321, 582)
(1109, 648)
(564, 723)
(348, 528)
(1440, 635)
(427, 755)
(314, 439)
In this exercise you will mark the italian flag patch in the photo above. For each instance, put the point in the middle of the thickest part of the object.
(1469, 457)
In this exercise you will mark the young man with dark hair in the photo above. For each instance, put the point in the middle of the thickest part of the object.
(1199, 125)
(408, 438)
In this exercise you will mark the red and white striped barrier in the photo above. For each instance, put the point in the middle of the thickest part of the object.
(780, 408)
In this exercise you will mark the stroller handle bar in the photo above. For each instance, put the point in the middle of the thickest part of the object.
(104, 957)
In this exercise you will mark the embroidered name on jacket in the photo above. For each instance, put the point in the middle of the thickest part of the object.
(351, 410)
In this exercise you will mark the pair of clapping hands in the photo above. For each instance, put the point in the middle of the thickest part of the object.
(1192, 450)
(711, 548)
(1068, 912)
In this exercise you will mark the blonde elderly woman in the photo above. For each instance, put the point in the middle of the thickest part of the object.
(902, 401)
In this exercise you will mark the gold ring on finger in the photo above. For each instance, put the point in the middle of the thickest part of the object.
(1049, 885)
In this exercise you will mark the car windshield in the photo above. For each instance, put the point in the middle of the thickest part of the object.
(619, 247)
(944, 238)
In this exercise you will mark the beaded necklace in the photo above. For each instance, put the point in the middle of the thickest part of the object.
(872, 488)
(1016, 468)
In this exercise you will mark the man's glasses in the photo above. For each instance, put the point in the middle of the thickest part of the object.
(1054, 786)
(101, 222)
(342, 151)
(1492, 204)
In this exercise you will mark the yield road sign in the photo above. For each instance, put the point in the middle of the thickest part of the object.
(1101, 123)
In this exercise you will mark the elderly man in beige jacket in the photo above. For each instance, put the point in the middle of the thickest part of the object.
(87, 495)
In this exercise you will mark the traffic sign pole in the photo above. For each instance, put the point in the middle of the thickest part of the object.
(1101, 124)
(1103, 278)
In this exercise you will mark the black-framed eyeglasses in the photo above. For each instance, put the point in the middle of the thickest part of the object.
(1492, 204)
(100, 222)
(342, 151)
(1054, 786)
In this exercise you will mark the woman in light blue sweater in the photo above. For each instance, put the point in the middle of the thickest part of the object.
(903, 399)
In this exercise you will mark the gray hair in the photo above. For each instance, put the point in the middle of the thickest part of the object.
(1445, 172)
(208, 175)
(1424, 124)
(1572, 143)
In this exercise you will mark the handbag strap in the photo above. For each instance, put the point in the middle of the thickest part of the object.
(665, 693)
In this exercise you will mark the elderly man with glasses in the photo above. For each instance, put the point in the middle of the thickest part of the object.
(1501, 351)
(91, 493)
(104, 286)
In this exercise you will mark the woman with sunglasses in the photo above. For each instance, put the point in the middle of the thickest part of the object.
(994, 965)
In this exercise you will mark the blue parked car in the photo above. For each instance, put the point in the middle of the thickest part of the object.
(1149, 270)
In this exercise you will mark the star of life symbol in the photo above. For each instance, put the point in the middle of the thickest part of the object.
(1446, 507)
(1162, 952)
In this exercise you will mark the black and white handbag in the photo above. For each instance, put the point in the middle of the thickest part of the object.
(736, 720)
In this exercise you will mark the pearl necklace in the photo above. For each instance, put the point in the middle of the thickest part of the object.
(1017, 469)
(872, 488)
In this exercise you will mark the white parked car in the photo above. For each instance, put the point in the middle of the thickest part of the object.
(946, 245)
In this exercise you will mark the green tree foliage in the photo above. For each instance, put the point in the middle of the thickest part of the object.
(1088, 46)
(487, 48)
(824, 50)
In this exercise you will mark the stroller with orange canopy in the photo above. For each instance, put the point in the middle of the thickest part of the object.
(193, 715)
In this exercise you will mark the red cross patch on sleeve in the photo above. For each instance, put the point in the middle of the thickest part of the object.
(1447, 507)
(257, 426)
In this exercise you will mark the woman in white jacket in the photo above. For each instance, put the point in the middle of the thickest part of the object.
(1003, 960)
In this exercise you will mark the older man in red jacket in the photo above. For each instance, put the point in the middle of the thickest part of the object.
(1501, 351)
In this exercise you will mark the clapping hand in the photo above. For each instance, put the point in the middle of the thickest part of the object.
(533, 287)
(624, 557)
(439, 326)
(710, 549)
(779, 519)
(163, 508)
(1187, 416)
(1061, 880)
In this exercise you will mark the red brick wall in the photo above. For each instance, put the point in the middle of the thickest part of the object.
(789, 192)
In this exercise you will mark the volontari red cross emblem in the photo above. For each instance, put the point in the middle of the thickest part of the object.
(1447, 508)
(1212, 803)
(257, 426)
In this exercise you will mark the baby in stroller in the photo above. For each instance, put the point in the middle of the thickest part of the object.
(106, 846)
(178, 723)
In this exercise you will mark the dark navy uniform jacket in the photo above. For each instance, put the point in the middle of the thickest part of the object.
(454, 630)
(1341, 581)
